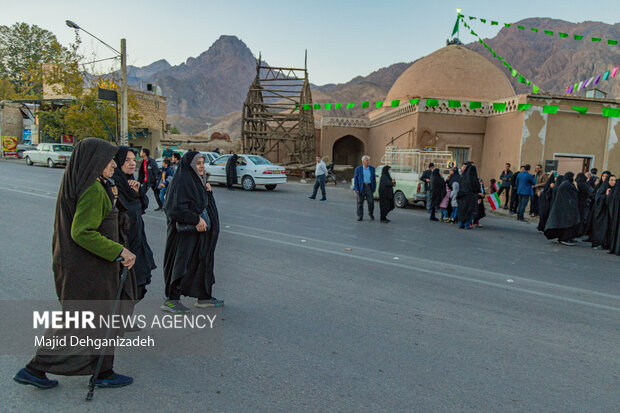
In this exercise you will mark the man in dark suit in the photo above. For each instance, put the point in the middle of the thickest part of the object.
(149, 174)
(365, 183)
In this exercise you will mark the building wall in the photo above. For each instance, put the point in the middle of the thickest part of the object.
(502, 143)
(613, 146)
(329, 136)
(11, 121)
(152, 109)
(381, 136)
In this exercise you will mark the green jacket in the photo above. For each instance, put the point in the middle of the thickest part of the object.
(92, 208)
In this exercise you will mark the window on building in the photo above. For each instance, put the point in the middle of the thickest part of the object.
(460, 155)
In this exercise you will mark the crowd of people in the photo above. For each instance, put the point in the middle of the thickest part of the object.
(99, 229)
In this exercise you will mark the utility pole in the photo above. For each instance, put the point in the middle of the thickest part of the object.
(124, 109)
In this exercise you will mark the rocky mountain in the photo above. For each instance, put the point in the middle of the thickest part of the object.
(212, 87)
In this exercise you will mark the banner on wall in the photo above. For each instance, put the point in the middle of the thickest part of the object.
(9, 146)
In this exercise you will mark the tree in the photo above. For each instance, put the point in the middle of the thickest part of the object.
(174, 130)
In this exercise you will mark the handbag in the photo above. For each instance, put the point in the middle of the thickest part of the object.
(192, 228)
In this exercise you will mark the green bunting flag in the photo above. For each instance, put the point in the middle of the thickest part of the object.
(338, 106)
(414, 101)
(612, 42)
(521, 79)
(432, 102)
(475, 105)
(596, 39)
(395, 103)
(365, 104)
(317, 106)
(494, 23)
(535, 89)
(562, 34)
(524, 106)
(454, 103)
(378, 104)
(514, 73)
(520, 27)
(549, 32)
(500, 107)
(550, 109)
(534, 29)
(577, 37)
(307, 107)
(581, 109)
(611, 112)
(350, 105)
(328, 106)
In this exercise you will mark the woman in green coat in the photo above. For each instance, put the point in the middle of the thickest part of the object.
(86, 244)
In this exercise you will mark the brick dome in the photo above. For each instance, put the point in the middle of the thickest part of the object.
(452, 72)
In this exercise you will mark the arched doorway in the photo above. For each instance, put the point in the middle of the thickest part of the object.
(348, 150)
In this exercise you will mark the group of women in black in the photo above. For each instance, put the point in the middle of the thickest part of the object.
(575, 207)
(99, 228)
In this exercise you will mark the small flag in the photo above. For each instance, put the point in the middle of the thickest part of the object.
(496, 187)
(494, 201)
(614, 71)
(598, 79)
(606, 75)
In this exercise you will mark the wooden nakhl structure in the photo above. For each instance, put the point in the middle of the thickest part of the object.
(274, 123)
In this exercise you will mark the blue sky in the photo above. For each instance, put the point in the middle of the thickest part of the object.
(344, 38)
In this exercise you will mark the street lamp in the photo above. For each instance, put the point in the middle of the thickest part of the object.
(208, 126)
(123, 56)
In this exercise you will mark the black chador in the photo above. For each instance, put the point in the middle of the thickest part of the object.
(231, 171)
(613, 208)
(563, 219)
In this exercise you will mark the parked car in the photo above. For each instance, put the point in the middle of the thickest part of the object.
(252, 170)
(160, 160)
(21, 148)
(51, 154)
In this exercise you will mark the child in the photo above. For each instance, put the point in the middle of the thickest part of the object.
(453, 193)
(164, 180)
(443, 205)
(493, 188)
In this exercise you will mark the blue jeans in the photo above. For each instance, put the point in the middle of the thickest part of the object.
(320, 182)
(162, 194)
(444, 213)
(523, 201)
(455, 212)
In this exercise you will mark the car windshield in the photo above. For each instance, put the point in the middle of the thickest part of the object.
(259, 160)
(63, 148)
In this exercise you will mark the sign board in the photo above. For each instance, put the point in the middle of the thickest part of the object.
(107, 94)
(27, 136)
(67, 139)
(551, 165)
(9, 146)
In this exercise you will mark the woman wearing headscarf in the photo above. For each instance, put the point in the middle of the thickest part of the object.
(544, 202)
(134, 198)
(438, 192)
(564, 217)
(193, 229)
(613, 206)
(583, 197)
(595, 193)
(467, 197)
(86, 245)
(600, 215)
(231, 171)
(386, 193)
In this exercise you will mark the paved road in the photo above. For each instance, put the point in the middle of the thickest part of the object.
(417, 316)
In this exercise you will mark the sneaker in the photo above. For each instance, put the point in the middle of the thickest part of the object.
(115, 380)
(384, 221)
(360, 218)
(23, 377)
(212, 302)
(174, 306)
(570, 244)
(324, 199)
(311, 197)
(372, 217)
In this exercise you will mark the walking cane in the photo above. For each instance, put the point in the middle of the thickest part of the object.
(93, 378)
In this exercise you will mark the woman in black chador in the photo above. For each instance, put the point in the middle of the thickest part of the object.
(583, 200)
(467, 198)
(438, 193)
(613, 207)
(544, 202)
(386, 193)
(193, 229)
(231, 171)
(564, 220)
(600, 216)
(132, 195)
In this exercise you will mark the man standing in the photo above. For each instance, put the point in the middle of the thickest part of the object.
(514, 199)
(541, 180)
(505, 178)
(365, 183)
(148, 175)
(320, 173)
(176, 157)
(525, 183)
(426, 178)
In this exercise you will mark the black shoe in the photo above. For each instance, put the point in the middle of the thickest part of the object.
(570, 244)
(434, 219)
(384, 221)
(311, 197)
(372, 217)
(23, 377)
(360, 218)
(324, 199)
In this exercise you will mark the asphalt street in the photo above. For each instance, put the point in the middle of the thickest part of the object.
(324, 313)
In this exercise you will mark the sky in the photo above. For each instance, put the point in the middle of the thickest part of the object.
(344, 38)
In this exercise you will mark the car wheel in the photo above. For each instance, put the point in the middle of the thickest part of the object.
(270, 187)
(28, 161)
(248, 183)
(400, 200)
(50, 163)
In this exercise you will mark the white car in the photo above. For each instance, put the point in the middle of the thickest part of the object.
(51, 154)
(209, 156)
(252, 170)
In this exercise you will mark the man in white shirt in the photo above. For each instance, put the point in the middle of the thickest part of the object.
(321, 175)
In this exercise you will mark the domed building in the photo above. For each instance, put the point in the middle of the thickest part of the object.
(454, 76)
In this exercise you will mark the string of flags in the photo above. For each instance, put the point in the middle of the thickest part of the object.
(432, 102)
(593, 81)
(545, 31)
(513, 71)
